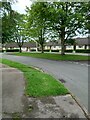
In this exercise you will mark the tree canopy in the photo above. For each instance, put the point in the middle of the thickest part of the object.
(64, 18)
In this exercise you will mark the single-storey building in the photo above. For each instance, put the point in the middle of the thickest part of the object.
(27, 46)
(80, 43)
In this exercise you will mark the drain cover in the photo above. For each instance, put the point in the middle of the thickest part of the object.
(62, 80)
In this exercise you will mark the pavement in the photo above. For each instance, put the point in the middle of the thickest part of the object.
(16, 105)
(74, 75)
(12, 90)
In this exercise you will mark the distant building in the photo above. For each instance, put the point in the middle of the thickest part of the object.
(80, 43)
(27, 46)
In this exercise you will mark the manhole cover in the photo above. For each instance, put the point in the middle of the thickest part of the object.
(62, 80)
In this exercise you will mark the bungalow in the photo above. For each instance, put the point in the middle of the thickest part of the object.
(52, 45)
(27, 46)
(80, 43)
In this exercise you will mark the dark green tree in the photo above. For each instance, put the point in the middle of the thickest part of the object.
(36, 23)
(66, 19)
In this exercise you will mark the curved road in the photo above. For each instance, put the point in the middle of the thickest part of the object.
(75, 75)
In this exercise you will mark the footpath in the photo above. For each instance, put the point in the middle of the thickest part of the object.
(16, 105)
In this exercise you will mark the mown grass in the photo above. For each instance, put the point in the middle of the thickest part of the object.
(38, 83)
(52, 56)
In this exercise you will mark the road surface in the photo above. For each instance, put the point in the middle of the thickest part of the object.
(74, 75)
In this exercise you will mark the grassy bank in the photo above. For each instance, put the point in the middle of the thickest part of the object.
(38, 83)
(52, 56)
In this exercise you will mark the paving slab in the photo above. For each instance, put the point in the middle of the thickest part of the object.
(54, 107)
(12, 90)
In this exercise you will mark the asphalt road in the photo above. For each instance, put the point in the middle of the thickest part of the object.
(75, 75)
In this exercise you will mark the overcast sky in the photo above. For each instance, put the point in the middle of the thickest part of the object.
(21, 5)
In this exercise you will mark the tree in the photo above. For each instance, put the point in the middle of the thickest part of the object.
(85, 9)
(19, 35)
(12, 25)
(6, 18)
(36, 23)
(66, 19)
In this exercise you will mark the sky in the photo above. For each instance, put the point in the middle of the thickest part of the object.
(21, 5)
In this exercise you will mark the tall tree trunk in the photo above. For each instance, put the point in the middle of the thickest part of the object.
(85, 47)
(42, 49)
(74, 47)
(2, 48)
(62, 47)
(20, 49)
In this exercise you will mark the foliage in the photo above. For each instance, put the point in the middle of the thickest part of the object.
(19, 35)
(12, 50)
(37, 23)
(6, 18)
(64, 18)
(86, 12)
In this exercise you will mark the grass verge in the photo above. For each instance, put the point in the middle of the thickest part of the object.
(38, 83)
(52, 56)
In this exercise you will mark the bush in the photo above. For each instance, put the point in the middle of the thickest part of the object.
(2, 50)
(32, 50)
(46, 50)
(12, 50)
(78, 51)
(69, 51)
(54, 50)
(83, 51)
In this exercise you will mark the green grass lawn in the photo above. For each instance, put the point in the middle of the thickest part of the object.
(38, 83)
(52, 56)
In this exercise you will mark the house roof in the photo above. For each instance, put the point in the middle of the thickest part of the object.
(12, 44)
(29, 44)
(82, 41)
(53, 43)
(78, 41)
(26, 44)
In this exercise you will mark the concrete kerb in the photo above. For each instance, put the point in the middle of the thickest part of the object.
(87, 114)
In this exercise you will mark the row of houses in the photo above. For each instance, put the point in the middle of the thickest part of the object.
(80, 43)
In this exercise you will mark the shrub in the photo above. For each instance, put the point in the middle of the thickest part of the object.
(2, 50)
(78, 51)
(32, 50)
(83, 51)
(69, 51)
(12, 50)
(54, 50)
(46, 50)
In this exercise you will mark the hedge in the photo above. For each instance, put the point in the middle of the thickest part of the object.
(78, 51)
(12, 50)
(69, 51)
(83, 51)
(54, 50)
